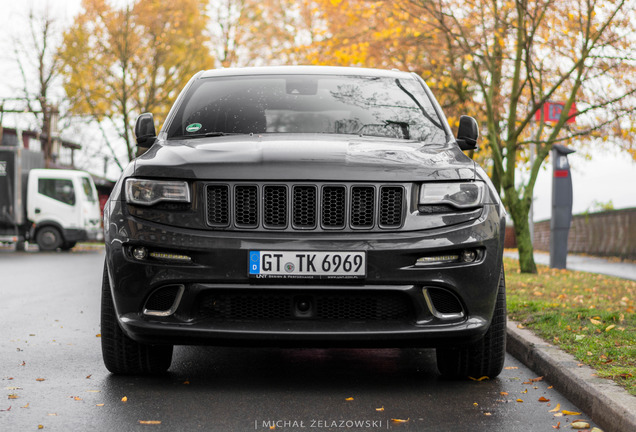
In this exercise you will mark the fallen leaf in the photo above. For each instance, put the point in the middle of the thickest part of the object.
(380, 409)
(99, 405)
(595, 322)
(558, 426)
(542, 399)
(13, 388)
(349, 399)
(89, 376)
(26, 406)
(479, 379)
(396, 420)
(475, 404)
(520, 326)
(511, 367)
(186, 382)
(609, 327)
(40, 427)
(487, 414)
(519, 400)
(556, 408)
(595, 429)
(8, 409)
(580, 425)
(558, 415)
(93, 391)
(52, 414)
(150, 422)
(550, 387)
(579, 338)
(124, 399)
(13, 396)
(98, 335)
(77, 398)
(503, 393)
(566, 412)
(40, 379)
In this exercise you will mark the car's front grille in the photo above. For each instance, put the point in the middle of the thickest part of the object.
(306, 305)
(321, 207)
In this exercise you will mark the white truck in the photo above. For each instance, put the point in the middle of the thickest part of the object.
(52, 207)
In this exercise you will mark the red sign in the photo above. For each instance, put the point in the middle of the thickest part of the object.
(552, 111)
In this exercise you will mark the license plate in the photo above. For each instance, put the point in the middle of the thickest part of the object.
(299, 265)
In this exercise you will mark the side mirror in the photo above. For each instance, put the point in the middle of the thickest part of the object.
(145, 130)
(467, 133)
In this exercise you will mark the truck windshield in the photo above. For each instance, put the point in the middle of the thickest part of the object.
(87, 187)
(369, 106)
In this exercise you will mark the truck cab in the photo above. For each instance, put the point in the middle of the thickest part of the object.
(63, 208)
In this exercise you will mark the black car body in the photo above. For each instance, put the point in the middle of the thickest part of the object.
(304, 206)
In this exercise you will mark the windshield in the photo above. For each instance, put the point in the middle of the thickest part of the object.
(371, 106)
(87, 187)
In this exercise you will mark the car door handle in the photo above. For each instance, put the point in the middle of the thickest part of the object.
(37, 210)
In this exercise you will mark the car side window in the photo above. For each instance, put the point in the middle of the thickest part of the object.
(58, 189)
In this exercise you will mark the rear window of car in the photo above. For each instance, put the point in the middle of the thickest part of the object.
(330, 104)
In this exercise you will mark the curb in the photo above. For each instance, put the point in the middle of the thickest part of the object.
(608, 404)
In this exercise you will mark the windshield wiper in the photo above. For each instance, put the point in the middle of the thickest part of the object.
(211, 134)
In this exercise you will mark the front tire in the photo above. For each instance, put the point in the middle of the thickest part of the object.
(482, 358)
(121, 354)
(49, 238)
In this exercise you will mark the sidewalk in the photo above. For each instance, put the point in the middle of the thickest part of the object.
(625, 270)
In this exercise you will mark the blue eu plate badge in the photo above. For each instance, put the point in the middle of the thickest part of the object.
(255, 262)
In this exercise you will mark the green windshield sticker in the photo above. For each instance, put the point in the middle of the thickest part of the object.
(193, 127)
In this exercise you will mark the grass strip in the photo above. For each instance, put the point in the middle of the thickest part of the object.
(588, 315)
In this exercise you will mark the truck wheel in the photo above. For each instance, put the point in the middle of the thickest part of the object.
(121, 354)
(48, 238)
(485, 357)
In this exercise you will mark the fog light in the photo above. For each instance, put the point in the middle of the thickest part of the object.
(469, 256)
(140, 253)
(170, 256)
(438, 259)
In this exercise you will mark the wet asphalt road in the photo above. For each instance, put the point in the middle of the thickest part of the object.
(52, 375)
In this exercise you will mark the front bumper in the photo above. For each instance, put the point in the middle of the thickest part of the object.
(216, 278)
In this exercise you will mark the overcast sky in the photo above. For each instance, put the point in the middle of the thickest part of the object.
(608, 176)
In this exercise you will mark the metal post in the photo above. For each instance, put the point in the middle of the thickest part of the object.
(561, 206)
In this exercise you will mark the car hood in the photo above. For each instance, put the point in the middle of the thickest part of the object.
(303, 157)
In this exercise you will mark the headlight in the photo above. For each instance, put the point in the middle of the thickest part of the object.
(458, 195)
(149, 192)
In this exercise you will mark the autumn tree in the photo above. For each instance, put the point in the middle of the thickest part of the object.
(120, 61)
(254, 32)
(521, 55)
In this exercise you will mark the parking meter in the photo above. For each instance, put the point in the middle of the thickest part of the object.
(561, 206)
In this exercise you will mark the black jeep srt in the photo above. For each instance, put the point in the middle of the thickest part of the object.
(304, 206)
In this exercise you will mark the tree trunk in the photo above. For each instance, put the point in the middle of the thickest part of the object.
(519, 216)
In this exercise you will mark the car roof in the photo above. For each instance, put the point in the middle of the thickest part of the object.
(305, 70)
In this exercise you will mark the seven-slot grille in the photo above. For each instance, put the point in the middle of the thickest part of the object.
(305, 206)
